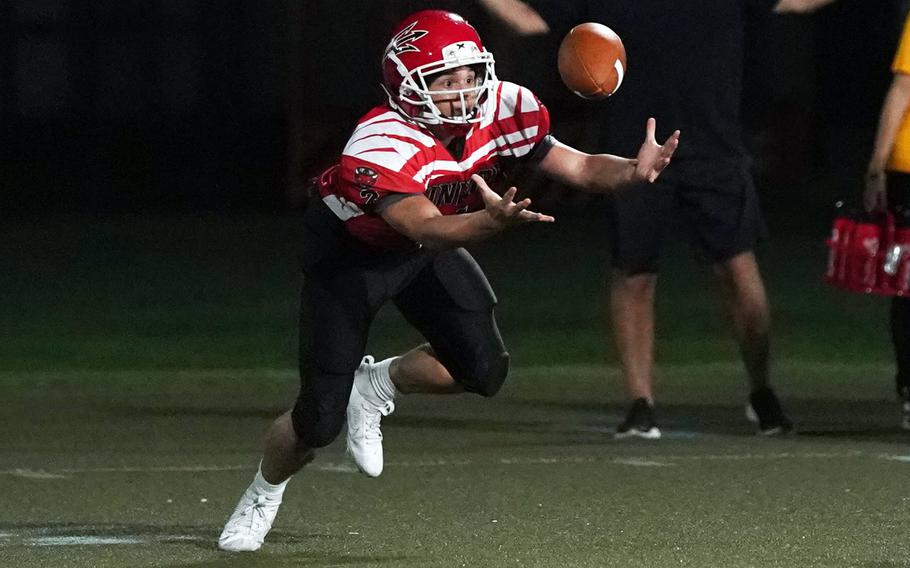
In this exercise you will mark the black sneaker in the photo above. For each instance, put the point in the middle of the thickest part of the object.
(639, 422)
(904, 394)
(765, 409)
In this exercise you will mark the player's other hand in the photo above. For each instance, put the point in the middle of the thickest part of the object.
(875, 194)
(503, 210)
(653, 157)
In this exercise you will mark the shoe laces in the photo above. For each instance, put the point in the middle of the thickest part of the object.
(255, 514)
(372, 416)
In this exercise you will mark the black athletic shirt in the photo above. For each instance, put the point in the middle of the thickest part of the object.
(685, 63)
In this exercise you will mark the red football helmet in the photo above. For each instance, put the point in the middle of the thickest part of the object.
(427, 43)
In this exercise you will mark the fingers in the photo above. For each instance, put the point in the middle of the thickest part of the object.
(505, 209)
(481, 183)
(868, 203)
(874, 202)
(663, 158)
(650, 129)
(671, 144)
(490, 197)
(534, 217)
(881, 202)
(870, 198)
(523, 204)
(875, 195)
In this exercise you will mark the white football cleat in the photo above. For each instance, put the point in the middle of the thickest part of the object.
(364, 439)
(251, 521)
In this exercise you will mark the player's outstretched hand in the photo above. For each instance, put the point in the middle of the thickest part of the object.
(653, 157)
(503, 210)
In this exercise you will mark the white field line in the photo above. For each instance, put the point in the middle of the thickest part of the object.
(73, 540)
(89, 540)
(347, 467)
(178, 376)
(896, 457)
(35, 474)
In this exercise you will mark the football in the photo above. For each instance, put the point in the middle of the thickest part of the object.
(592, 61)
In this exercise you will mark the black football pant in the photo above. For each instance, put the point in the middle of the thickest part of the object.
(898, 201)
(444, 295)
(900, 335)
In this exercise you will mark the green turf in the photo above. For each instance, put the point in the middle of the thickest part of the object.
(221, 292)
(531, 478)
(143, 358)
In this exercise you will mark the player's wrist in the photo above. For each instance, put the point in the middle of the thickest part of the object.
(874, 174)
(491, 221)
(632, 173)
(876, 166)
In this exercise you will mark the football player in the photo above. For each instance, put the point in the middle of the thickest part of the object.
(411, 188)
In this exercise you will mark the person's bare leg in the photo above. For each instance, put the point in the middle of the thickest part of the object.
(254, 514)
(632, 318)
(375, 387)
(747, 303)
(748, 306)
(419, 371)
(284, 453)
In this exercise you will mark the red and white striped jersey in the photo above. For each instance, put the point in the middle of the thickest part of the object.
(388, 154)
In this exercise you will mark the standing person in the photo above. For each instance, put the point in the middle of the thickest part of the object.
(888, 187)
(410, 190)
(685, 67)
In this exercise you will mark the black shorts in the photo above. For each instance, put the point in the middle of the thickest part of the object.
(443, 294)
(715, 199)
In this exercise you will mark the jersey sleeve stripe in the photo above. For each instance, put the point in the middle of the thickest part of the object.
(517, 151)
(478, 155)
(528, 134)
(386, 116)
(528, 102)
(385, 151)
(391, 127)
(441, 167)
(385, 159)
(490, 106)
(390, 116)
(383, 141)
(508, 100)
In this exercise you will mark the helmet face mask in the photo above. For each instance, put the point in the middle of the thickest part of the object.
(415, 90)
(425, 45)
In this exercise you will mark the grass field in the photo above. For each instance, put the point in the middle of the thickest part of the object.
(143, 358)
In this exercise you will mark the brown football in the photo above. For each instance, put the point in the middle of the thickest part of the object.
(592, 61)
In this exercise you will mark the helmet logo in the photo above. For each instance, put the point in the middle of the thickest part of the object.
(460, 50)
(403, 40)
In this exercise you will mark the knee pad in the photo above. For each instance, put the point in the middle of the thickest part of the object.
(490, 374)
(316, 427)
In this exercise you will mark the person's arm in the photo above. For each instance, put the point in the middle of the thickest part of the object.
(517, 15)
(800, 6)
(418, 219)
(897, 101)
(602, 173)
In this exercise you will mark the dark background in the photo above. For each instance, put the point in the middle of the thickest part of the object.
(183, 106)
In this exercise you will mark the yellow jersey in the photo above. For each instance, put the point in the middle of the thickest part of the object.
(900, 154)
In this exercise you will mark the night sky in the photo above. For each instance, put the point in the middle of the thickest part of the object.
(170, 105)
